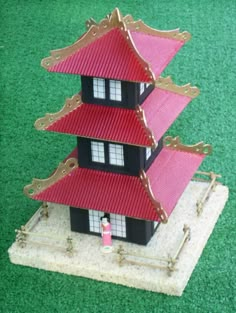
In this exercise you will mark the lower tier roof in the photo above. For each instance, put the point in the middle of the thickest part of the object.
(152, 196)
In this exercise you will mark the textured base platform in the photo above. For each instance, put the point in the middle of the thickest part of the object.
(87, 259)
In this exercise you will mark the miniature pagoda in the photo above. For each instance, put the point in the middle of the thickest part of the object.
(122, 167)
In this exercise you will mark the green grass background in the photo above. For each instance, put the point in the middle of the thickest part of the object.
(29, 30)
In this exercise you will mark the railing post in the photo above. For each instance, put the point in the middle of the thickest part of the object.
(70, 247)
(21, 236)
(211, 187)
(120, 253)
(44, 212)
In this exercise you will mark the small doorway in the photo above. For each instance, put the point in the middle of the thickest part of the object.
(118, 223)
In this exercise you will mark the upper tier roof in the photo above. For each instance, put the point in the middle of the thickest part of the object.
(141, 127)
(152, 196)
(118, 48)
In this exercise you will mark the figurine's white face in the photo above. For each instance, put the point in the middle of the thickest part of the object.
(104, 220)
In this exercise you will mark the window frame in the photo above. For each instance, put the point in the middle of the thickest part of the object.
(106, 158)
(115, 90)
(116, 156)
(96, 156)
(99, 88)
(148, 152)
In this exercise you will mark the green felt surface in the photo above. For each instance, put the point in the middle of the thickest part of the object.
(29, 30)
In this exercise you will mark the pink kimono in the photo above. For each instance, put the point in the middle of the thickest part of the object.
(106, 233)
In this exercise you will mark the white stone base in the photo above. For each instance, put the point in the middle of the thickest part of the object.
(89, 261)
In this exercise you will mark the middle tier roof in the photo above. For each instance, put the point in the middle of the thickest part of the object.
(142, 126)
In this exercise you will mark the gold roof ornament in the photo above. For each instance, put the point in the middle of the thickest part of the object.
(38, 185)
(141, 116)
(175, 144)
(158, 207)
(187, 90)
(50, 118)
(114, 20)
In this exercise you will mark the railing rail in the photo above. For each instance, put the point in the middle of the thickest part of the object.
(25, 233)
(212, 180)
(168, 264)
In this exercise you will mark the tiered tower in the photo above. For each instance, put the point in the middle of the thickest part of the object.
(122, 167)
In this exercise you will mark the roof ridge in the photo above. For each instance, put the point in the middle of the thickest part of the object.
(71, 103)
(142, 119)
(96, 31)
(38, 185)
(157, 205)
(125, 25)
(140, 26)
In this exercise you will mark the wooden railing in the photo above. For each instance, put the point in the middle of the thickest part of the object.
(212, 180)
(26, 234)
(168, 264)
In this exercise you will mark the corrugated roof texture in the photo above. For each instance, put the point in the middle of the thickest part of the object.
(103, 122)
(109, 56)
(161, 108)
(123, 194)
(170, 174)
(158, 51)
(99, 190)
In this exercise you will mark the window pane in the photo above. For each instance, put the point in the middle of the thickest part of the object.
(116, 154)
(95, 221)
(141, 90)
(148, 153)
(115, 90)
(118, 225)
(99, 88)
(97, 149)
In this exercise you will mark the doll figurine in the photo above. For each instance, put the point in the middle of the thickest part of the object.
(106, 235)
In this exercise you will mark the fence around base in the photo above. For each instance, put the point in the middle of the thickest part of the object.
(212, 180)
(25, 233)
(168, 264)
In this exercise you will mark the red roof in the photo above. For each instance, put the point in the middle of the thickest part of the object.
(160, 108)
(109, 56)
(118, 49)
(170, 174)
(103, 122)
(124, 194)
(157, 51)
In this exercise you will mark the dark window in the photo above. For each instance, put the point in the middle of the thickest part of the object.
(109, 153)
(107, 89)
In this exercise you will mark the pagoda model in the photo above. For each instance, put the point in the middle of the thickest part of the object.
(122, 168)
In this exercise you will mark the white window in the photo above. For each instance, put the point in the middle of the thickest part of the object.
(147, 85)
(148, 152)
(142, 86)
(116, 154)
(95, 221)
(118, 225)
(99, 88)
(115, 90)
(97, 149)
(156, 224)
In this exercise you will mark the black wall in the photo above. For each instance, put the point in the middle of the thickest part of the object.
(129, 90)
(154, 154)
(137, 231)
(79, 220)
(134, 158)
